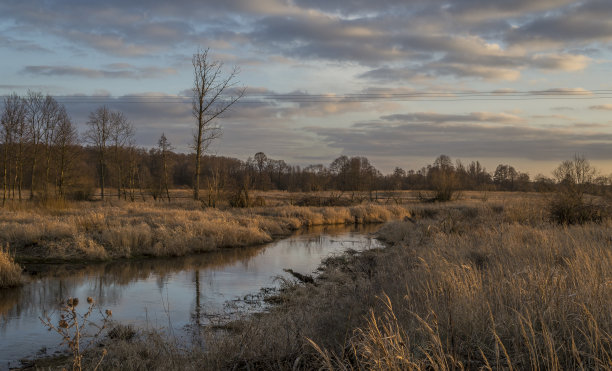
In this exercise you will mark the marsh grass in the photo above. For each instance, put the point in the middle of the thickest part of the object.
(462, 286)
(10, 272)
(468, 284)
(100, 231)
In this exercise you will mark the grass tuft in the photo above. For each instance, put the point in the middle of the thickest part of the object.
(10, 272)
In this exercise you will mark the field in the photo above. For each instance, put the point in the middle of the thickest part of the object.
(485, 282)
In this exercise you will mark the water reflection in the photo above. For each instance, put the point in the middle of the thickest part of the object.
(170, 293)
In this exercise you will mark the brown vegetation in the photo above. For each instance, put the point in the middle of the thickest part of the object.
(62, 231)
(10, 272)
(466, 285)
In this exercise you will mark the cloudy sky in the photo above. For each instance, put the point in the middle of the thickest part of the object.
(521, 82)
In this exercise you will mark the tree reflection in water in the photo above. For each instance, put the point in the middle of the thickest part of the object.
(190, 291)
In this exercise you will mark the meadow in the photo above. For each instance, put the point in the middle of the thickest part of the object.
(484, 282)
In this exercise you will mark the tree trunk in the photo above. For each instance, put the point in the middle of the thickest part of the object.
(19, 170)
(166, 176)
(102, 176)
(48, 167)
(196, 183)
(5, 174)
(33, 173)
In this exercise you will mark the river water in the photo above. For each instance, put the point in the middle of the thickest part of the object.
(170, 294)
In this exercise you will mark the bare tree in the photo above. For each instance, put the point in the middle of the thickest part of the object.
(121, 134)
(53, 113)
(65, 139)
(20, 138)
(98, 135)
(164, 147)
(261, 161)
(576, 175)
(210, 100)
(36, 128)
(13, 118)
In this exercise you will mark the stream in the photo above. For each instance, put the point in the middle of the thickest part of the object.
(174, 295)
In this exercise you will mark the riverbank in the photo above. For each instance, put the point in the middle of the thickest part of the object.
(81, 232)
(461, 285)
(175, 295)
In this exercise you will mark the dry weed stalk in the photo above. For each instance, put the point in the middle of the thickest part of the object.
(72, 328)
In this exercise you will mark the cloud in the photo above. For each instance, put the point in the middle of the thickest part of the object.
(478, 64)
(563, 108)
(389, 74)
(467, 70)
(479, 10)
(396, 40)
(601, 107)
(554, 117)
(464, 140)
(22, 45)
(114, 71)
(590, 125)
(438, 118)
(134, 28)
(562, 91)
(561, 62)
(582, 23)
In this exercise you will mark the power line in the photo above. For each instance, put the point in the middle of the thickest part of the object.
(422, 96)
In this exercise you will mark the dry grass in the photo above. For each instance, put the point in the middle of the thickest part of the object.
(463, 286)
(10, 272)
(473, 284)
(497, 295)
(101, 231)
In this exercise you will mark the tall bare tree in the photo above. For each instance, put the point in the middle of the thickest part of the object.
(20, 138)
(164, 147)
(12, 121)
(53, 113)
(121, 134)
(576, 176)
(211, 98)
(98, 134)
(35, 118)
(65, 139)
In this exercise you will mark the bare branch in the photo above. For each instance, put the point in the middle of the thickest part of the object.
(209, 103)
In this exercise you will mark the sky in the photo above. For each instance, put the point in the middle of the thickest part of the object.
(526, 83)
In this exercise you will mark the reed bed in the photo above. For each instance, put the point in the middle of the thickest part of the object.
(96, 231)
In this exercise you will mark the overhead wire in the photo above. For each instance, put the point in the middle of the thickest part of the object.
(421, 96)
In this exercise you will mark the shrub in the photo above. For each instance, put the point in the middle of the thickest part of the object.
(571, 208)
(571, 205)
(81, 194)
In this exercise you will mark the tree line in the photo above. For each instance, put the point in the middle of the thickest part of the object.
(43, 155)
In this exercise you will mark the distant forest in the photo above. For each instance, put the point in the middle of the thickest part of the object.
(43, 155)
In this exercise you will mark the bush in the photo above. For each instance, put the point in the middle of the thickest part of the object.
(570, 208)
(81, 194)
(570, 205)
